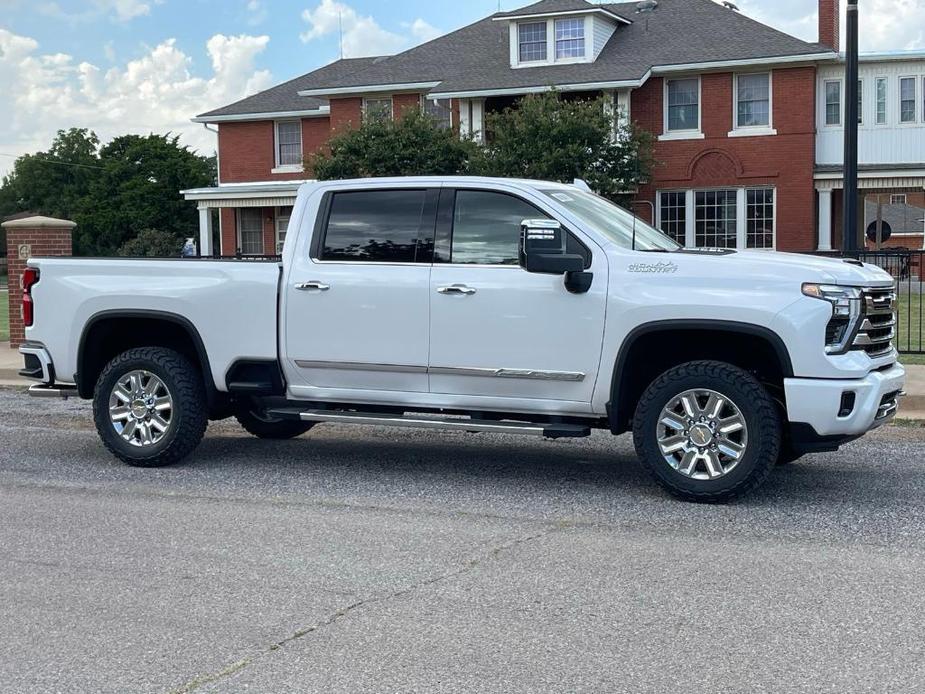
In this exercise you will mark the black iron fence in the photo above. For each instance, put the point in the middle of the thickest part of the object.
(908, 270)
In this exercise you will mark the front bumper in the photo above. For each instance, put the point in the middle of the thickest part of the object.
(821, 403)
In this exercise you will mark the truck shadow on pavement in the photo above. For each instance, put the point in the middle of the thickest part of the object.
(859, 474)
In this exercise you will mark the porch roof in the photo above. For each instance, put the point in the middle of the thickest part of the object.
(253, 194)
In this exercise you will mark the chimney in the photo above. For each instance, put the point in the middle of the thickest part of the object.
(829, 33)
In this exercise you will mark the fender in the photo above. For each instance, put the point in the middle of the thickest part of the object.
(617, 384)
(85, 390)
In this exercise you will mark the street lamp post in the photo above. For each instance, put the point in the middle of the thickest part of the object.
(850, 216)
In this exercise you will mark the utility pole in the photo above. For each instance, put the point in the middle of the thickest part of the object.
(850, 216)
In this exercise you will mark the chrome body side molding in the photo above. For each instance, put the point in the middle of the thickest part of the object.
(535, 374)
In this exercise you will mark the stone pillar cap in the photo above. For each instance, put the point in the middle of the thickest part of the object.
(39, 223)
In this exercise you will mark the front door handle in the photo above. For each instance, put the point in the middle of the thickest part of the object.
(456, 289)
(313, 286)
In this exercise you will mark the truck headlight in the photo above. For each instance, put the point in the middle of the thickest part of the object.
(846, 312)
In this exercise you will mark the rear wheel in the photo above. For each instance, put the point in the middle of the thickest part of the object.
(708, 431)
(149, 406)
(260, 423)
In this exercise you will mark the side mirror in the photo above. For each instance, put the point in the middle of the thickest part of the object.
(542, 248)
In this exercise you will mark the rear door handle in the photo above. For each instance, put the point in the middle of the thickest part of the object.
(456, 289)
(313, 286)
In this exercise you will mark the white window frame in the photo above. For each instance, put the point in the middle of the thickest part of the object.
(278, 216)
(886, 101)
(915, 100)
(825, 103)
(425, 100)
(240, 238)
(389, 98)
(584, 39)
(752, 130)
(538, 61)
(286, 168)
(894, 201)
(551, 59)
(693, 133)
(690, 235)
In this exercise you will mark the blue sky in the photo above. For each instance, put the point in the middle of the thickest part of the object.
(120, 66)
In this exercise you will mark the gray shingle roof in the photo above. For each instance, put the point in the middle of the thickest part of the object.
(902, 218)
(285, 97)
(549, 6)
(477, 57)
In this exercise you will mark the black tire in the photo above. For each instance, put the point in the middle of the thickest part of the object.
(188, 416)
(787, 455)
(758, 411)
(257, 422)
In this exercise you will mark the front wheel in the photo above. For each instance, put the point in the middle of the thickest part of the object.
(149, 406)
(708, 431)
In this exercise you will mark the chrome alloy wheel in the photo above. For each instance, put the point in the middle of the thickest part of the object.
(140, 408)
(702, 434)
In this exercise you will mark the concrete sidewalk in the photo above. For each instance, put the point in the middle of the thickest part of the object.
(912, 406)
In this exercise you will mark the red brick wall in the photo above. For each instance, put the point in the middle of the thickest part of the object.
(829, 27)
(346, 113)
(269, 231)
(229, 223)
(784, 160)
(248, 149)
(45, 241)
(405, 103)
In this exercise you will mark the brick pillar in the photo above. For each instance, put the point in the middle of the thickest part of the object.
(32, 237)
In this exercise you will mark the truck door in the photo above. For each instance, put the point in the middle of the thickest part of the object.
(497, 330)
(355, 312)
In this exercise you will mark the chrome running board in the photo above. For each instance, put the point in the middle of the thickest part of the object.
(43, 391)
(551, 430)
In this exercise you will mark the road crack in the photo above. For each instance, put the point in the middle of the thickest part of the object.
(469, 565)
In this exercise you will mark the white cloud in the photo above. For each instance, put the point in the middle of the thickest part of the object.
(118, 10)
(362, 35)
(885, 24)
(154, 93)
(256, 12)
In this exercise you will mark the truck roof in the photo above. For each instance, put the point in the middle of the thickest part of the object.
(436, 180)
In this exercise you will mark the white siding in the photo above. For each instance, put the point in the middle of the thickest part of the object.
(603, 29)
(890, 143)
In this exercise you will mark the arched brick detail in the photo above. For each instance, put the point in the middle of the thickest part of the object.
(713, 165)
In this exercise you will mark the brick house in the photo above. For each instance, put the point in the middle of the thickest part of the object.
(733, 105)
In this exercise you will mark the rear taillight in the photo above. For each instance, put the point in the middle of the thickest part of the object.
(30, 277)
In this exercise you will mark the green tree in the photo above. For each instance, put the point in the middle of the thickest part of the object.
(413, 145)
(547, 137)
(52, 182)
(139, 188)
(153, 243)
(112, 192)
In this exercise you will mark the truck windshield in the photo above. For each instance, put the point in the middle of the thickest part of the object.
(611, 220)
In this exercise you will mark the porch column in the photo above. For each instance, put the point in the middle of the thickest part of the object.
(478, 120)
(205, 232)
(825, 220)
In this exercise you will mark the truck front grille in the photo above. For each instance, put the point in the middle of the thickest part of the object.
(878, 322)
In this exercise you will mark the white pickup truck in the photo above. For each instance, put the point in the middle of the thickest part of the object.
(484, 305)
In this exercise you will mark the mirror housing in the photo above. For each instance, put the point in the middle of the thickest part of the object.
(543, 248)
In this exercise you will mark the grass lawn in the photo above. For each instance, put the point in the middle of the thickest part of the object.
(4, 317)
(911, 330)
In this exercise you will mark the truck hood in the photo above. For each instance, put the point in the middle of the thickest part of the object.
(807, 268)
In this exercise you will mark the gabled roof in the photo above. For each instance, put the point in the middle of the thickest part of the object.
(284, 98)
(679, 32)
(902, 218)
(552, 7)
(476, 58)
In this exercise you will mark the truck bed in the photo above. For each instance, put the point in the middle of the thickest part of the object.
(233, 305)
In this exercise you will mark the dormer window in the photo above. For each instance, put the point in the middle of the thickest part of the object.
(570, 38)
(563, 36)
(532, 37)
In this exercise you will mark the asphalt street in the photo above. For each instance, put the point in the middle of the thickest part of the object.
(386, 560)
